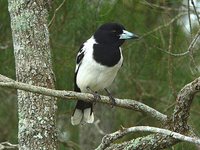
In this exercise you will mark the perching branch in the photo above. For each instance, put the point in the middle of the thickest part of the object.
(109, 138)
(71, 95)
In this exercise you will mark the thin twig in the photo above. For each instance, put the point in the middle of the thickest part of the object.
(189, 18)
(174, 54)
(189, 50)
(158, 6)
(3, 47)
(7, 145)
(164, 25)
(191, 47)
(54, 14)
(194, 41)
(195, 10)
(183, 9)
(97, 9)
(170, 106)
(96, 124)
(109, 138)
(170, 61)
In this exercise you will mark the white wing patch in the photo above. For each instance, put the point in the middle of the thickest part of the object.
(83, 50)
(79, 57)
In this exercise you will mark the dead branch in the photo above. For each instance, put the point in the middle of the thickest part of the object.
(178, 123)
(109, 138)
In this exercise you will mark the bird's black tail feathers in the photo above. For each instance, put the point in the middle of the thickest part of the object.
(83, 113)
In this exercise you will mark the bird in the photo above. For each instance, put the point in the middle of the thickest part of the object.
(97, 63)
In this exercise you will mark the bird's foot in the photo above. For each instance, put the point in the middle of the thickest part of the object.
(96, 95)
(112, 99)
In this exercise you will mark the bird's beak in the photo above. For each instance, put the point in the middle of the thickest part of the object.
(128, 35)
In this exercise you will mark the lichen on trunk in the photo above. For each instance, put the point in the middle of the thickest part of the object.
(36, 112)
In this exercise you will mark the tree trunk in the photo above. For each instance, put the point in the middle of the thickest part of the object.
(36, 112)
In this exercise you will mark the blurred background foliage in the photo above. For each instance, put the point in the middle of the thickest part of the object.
(149, 74)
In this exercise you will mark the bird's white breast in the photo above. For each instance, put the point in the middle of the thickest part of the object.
(92, 74)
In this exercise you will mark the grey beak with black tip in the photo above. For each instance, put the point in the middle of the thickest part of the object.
(128, 35)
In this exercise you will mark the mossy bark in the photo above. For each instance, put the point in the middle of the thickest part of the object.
(36, 128)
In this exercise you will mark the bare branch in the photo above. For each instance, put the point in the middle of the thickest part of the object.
(152, 141)
(183, 103)
(7, 145)
(164, 25)
(96, 124)
(170, 65)
(54, 14)
(71, 95)
(184, 7)
(158, 6)
(195, 10)
(3, 47)
(189, 17)
(174, 54)
(177, 124)
(109, 138)
(194, 41)
(190, 47)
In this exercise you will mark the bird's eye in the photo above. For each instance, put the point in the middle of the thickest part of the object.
(114, 31)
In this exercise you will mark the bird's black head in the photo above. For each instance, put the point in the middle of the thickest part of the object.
(112, 33)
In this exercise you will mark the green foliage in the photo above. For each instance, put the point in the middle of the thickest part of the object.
(8, 103)
(145, 75)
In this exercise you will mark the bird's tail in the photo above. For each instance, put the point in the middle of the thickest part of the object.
(83, 112)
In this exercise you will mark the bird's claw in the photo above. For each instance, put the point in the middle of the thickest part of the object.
(97, 97)
(112, 99)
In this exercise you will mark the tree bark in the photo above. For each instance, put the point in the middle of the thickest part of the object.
(36, 127)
